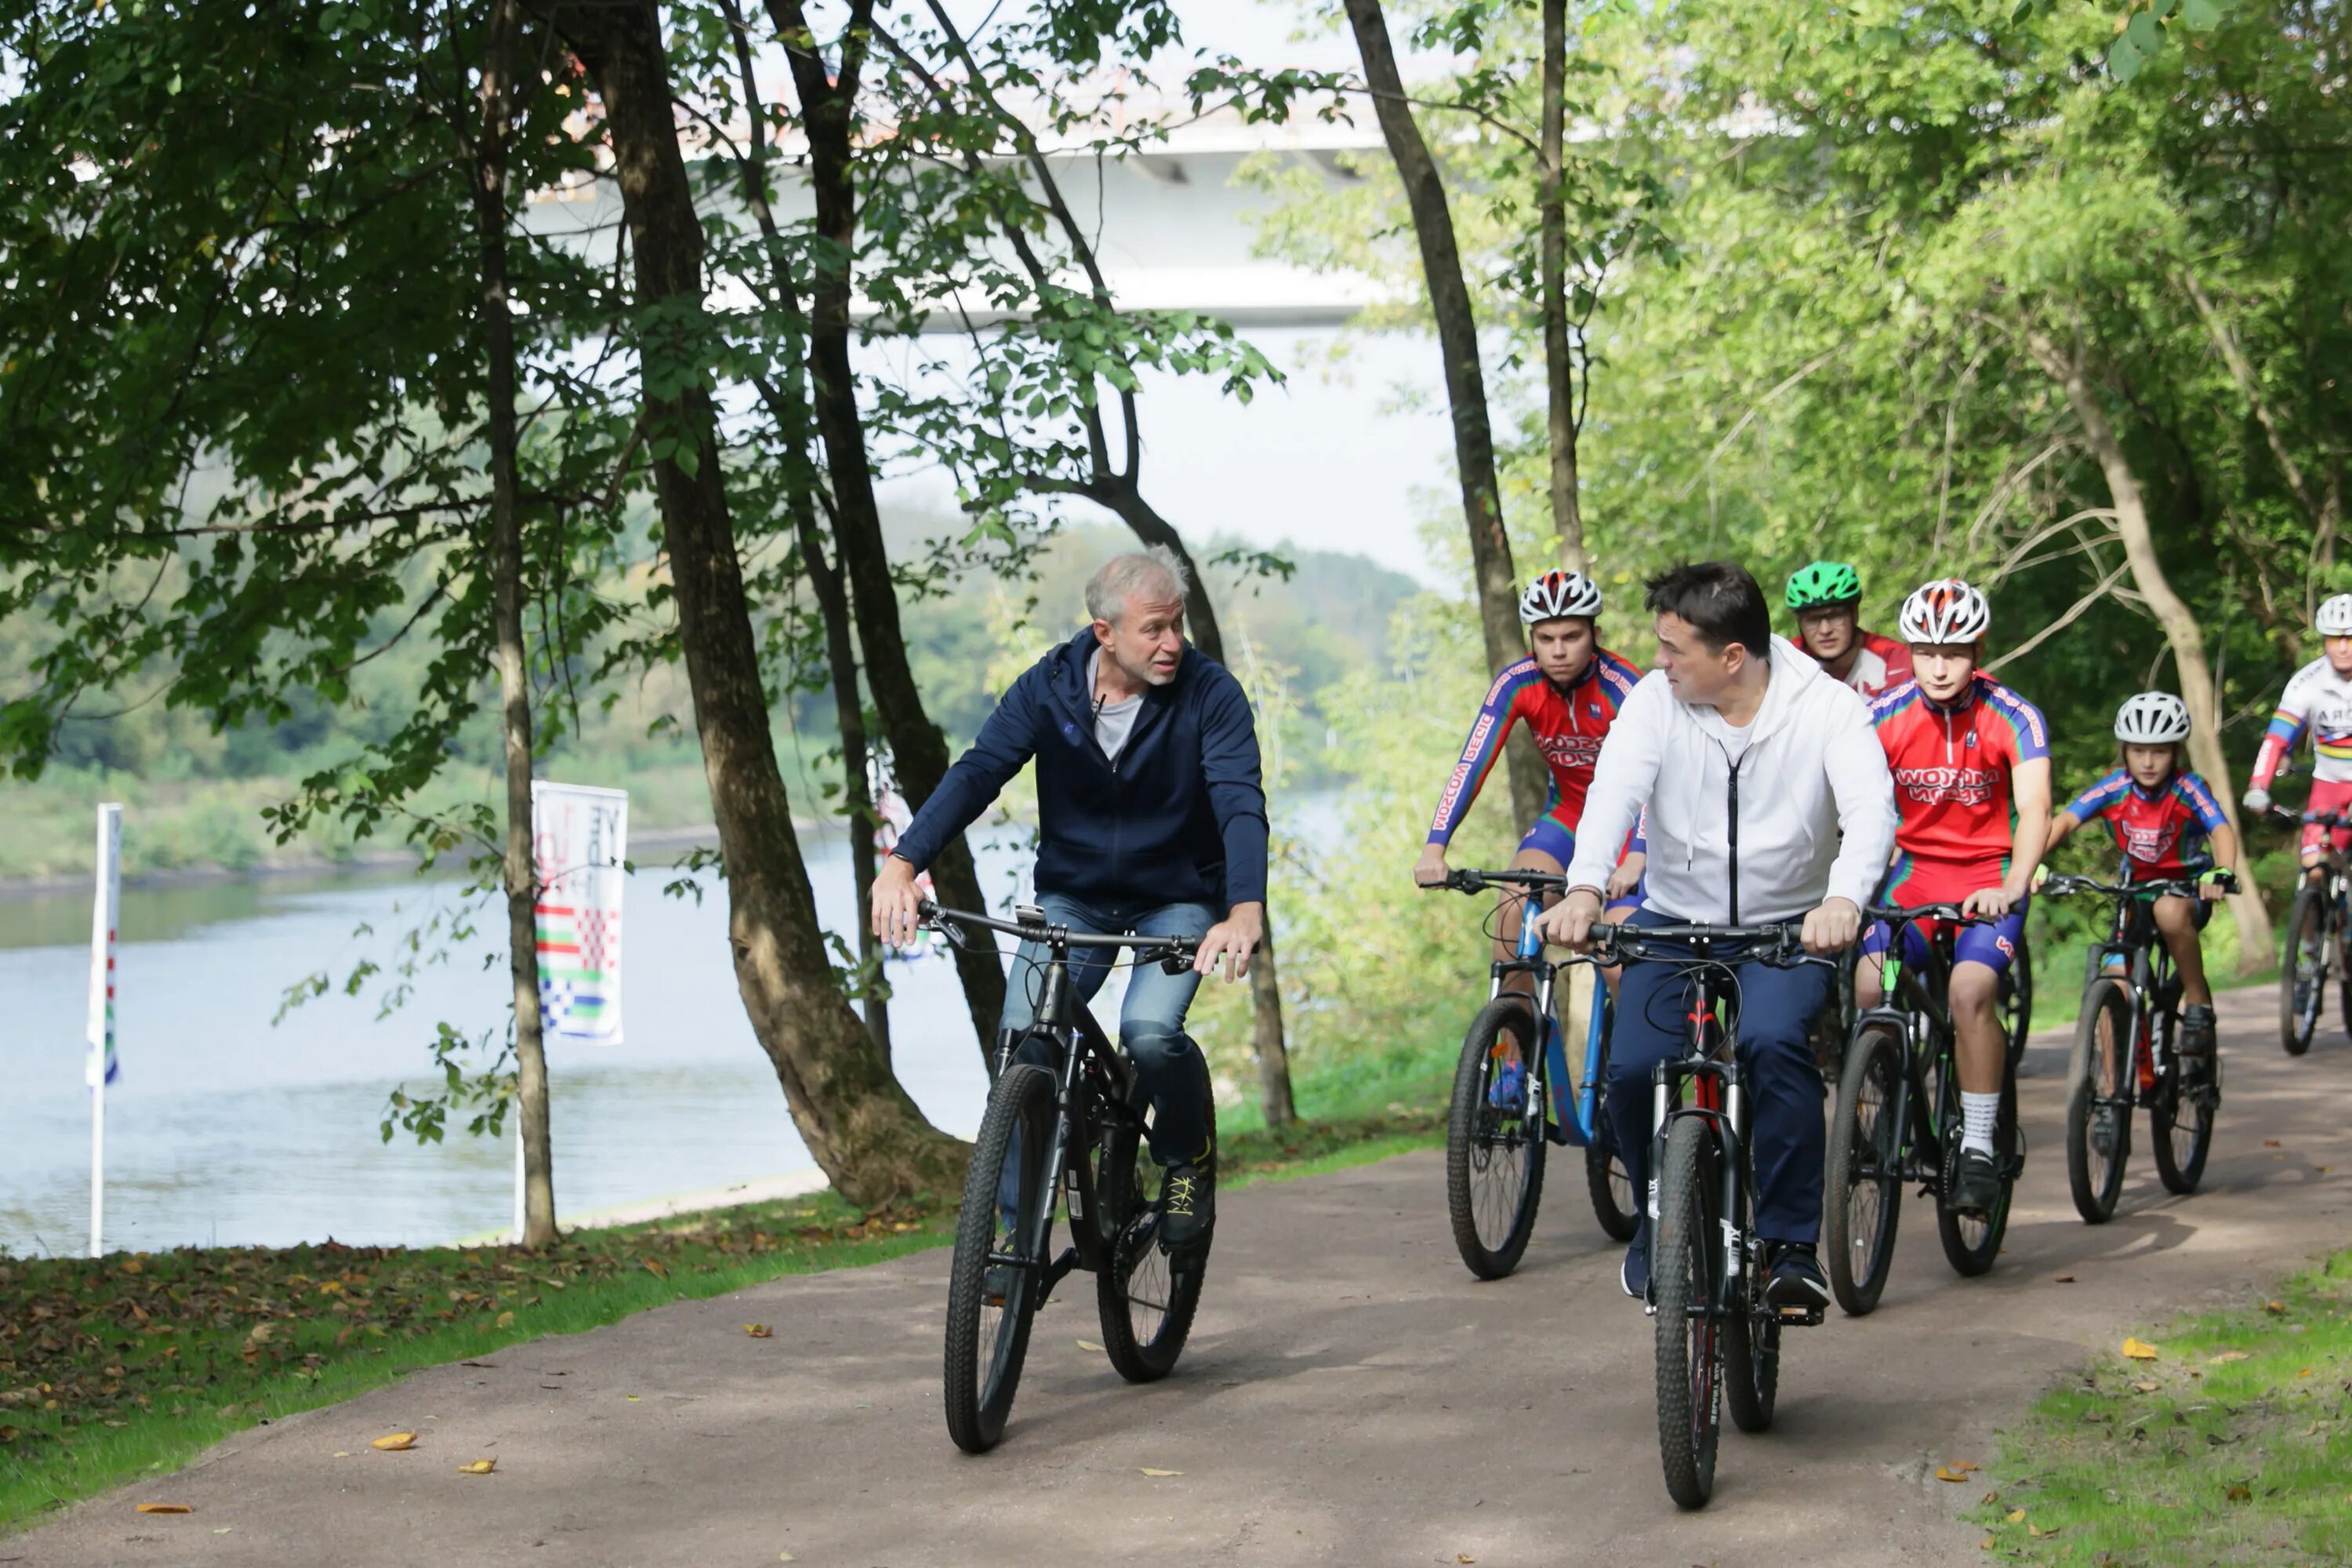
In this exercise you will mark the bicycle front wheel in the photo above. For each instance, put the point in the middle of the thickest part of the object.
(1610, 1188)
(2098, 1101)
(1684, 1281)
(994, 1282)
(1862, 1197)
(1495, 1140)
(1146, 1295)
(1751, 1338)
(2180, 1119)
(2303, 970)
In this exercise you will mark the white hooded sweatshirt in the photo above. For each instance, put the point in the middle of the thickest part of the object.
(1807, 770)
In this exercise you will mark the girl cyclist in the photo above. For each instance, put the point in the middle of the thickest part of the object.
(2169, 826)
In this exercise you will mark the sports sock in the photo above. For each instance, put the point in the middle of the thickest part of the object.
(1982, 1113)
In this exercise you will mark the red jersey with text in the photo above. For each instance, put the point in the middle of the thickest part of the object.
(1952, 765)
(1880, 663)
(2162, 831)
(1567, 722)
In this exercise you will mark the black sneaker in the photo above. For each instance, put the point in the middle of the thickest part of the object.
(1188, 1204)
(2196, 1024)
(1975, 1183)
(1793, 1279)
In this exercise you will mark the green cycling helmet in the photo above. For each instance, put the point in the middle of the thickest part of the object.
(1823, 584)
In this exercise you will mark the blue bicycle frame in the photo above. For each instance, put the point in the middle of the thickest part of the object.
(1573, 1118)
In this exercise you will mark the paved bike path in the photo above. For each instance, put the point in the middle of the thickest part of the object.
(1351, 1396)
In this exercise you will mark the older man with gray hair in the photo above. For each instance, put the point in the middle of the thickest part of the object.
(1151, 820)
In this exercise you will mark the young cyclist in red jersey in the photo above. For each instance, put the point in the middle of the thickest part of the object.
(1827, 598)
(2169, 826)
(1567, 692)
(2318, 698)
(1967, 753)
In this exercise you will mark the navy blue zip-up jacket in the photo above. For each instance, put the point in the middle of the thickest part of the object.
(1180, 818)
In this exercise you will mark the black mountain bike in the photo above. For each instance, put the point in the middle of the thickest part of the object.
(2124, 1055)
(1717, 1341)
(1065, 1108)
(1507, 1110)
(1897, 1120)
(2318, 940)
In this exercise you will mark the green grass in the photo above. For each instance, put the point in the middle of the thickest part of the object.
(2233, 1445)
(131, 1364)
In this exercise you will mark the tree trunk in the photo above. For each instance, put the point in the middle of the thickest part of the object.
(857, 1120)
(1273, 1057)
(505, 559)
(1466, 382)
(2180, 629)
(1559, 369)
(919, 753)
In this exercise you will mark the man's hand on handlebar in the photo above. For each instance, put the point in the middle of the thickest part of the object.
(1831, 928)
(1233, 938)
(1429, 872)
(897, 900)
(1569, 923)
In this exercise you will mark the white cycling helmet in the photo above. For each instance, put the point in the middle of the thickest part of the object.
(1945, 611)
(2334, 617)
(1560, 593)
(2152, 719)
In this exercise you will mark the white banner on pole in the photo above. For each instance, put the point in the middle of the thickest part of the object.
(580, 836)
(99, 1065)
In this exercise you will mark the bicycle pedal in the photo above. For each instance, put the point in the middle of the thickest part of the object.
(1801, 1317)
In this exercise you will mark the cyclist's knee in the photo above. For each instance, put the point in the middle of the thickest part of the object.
(1975, 987)
(1154, 1044)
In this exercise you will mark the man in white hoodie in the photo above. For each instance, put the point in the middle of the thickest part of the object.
(1770, 801)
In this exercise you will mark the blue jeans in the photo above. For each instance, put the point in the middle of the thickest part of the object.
(1776, 1059)
(1174, 1074)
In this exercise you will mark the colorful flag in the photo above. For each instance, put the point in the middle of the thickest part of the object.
(101, 1066)
(580, 837)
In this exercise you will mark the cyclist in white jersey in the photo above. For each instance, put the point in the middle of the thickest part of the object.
(2318, 698)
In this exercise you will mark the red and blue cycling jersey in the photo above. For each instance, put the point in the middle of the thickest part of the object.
(1569, 724)
(1952, 766)
(2161, 832)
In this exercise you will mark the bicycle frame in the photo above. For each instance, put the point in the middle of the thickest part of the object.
(1545, 972)
(1925, 1020)
(2150, 982)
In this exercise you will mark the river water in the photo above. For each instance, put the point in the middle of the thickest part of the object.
(225, 1129)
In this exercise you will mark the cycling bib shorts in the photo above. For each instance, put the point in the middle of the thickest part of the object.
(1911, 882)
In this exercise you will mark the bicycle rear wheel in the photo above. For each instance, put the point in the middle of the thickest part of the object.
(1494, 1141)
(2180, 1119)
(1144, 1295)
(1684, 1254)
(1862, 1197)
(1612, 1188)
(1751, 1338)
(988, 1318)
(2303, 970)
(1971, 1241)
(2098, 1101)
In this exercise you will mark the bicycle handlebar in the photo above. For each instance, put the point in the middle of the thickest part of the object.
(2286, 817)
(1148, 949)
(1470, 881)
(2168, 887)
(1895, 914)
(1780, 942)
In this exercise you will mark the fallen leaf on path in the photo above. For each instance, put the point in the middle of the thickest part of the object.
(1992, 1497)
(1464, 1557)
(759, 1330)
(2304, 1372)
(2139, 1350)
(395, 1442)
(478, 1468)
(165, 1508)
(1958, 1470)
(2276, 1308)
(506, 1320)
(786, 1557)
(2241, 1494)
(224, 1529)
(656, 1267)
(1153, 1472)
(2226, 1355)
(2065, 1280)
(2270, 1143)
(342, 1452)
(2017, 1516)
(2148, 1387)
(1088, 1345)
(630, 1397)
